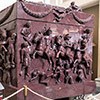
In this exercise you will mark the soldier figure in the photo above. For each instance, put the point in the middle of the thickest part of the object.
(67, 77)
(26, 29)
(7, 73)
(24, 57)
(10, 48)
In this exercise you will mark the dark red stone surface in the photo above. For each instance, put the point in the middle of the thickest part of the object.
(67, 24)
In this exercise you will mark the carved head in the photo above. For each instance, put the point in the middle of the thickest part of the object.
(3, 34)
(88, 31)
(85, 37)
(67, 37)
(72, 3)
(13, 35)
(59, 39)
(21, 0)
(28, 24)
(24, 45)
(79, 55)
(49, 31)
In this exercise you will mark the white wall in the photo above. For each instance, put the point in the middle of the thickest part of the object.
(6, 3)
(81, 3)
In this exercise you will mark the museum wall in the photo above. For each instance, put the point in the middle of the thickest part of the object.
(94, 10)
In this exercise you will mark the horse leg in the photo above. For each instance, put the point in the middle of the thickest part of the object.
(42, 61)
(46, 57)
(1, 75)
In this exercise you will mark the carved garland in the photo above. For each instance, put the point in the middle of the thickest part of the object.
(81, 21)
(35, 14)
(44, 14)
(7, 15)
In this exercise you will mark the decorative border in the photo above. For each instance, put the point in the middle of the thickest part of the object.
(57, 14)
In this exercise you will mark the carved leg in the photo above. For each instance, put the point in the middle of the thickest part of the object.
(42, 61)
(1, 75)
(4, 76)
(57, 78)
(22, 69)
(12, 58)
(84, 74)
(8, 58)
(8, 78)
(26, 72)
(52, 62)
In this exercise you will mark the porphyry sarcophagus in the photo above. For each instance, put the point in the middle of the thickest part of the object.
(48, 48)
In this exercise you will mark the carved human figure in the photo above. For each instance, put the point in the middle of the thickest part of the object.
(47, 31)
(42, 42)
(33, 75)
(79, 77)
(59, 39)
(74, 7)
(61, 13)
(42, 78)
(57, 74)
(3, 51)
(67, 77)
(87, 61)
(79, 64)
(3, 37)
(50, 51)
(87, 32)
(61, 57)
(7, 73)
(36, 41)
(61, 52)
(10, 48)
(26, 31)
(20, 0)
(37, 38)
(24, 59)
(67, 42)
(1, 68)
(82, 43)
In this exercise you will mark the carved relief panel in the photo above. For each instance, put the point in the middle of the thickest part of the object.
(51, 51)
(7, 54)
(64, 53)
(55, 54)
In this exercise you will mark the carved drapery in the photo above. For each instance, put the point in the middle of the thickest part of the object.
(81, 21)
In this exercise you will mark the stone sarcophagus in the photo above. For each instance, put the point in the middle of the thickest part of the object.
(48, 48)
